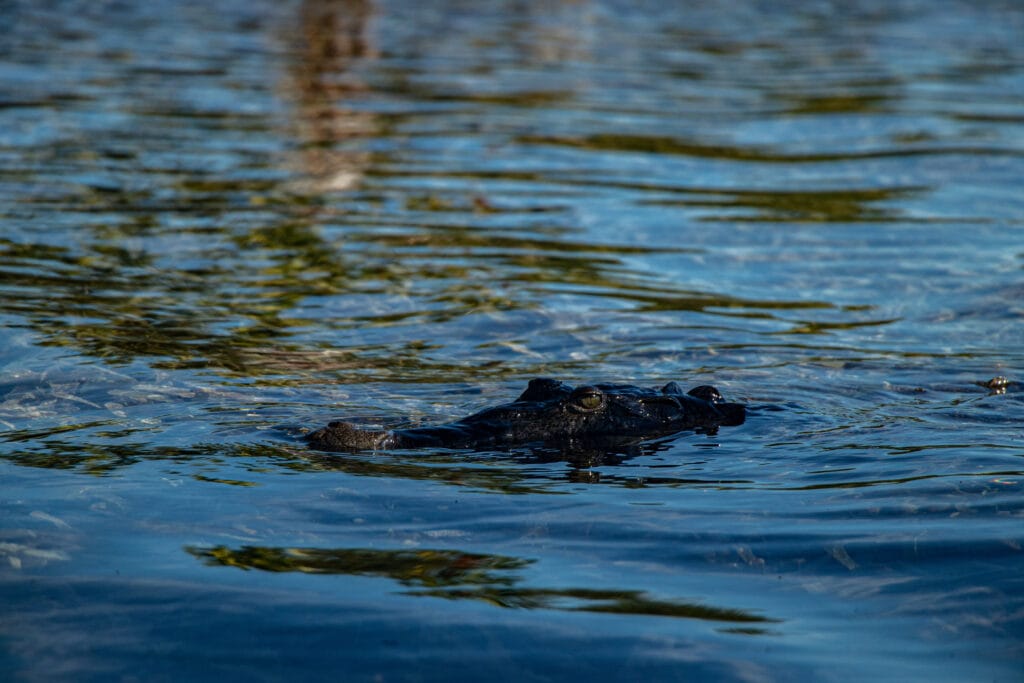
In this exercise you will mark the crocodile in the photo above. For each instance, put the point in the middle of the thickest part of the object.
(554, 413)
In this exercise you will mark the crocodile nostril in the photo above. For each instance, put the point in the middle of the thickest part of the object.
(707, 393)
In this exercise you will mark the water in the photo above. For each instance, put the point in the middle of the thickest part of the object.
(214, 225)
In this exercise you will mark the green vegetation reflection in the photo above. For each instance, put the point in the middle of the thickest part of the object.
(799, 206)
(457, 575)
(235, 300)
(655, 144)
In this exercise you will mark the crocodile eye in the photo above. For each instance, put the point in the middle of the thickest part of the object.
(588, 399)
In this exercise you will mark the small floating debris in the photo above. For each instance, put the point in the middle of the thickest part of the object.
(997, 385)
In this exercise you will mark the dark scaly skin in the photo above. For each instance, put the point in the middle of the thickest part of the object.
(552, 412)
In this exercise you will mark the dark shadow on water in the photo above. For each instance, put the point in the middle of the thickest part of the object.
(524, 469)
(496, 475)
(457, 575)
(537, 470)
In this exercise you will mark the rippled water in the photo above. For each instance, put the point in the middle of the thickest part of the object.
(219, 223)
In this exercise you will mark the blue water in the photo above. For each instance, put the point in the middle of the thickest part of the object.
(219, 225)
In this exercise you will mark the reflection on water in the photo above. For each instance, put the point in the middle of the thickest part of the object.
(153, 274)
(661, 145)
(120, 306)
(823, 206)
(456, 575)
(220, 229)
(428, 568)
(333, 37)
(522, 471)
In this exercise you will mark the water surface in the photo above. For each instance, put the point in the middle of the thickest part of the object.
(215, 226)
